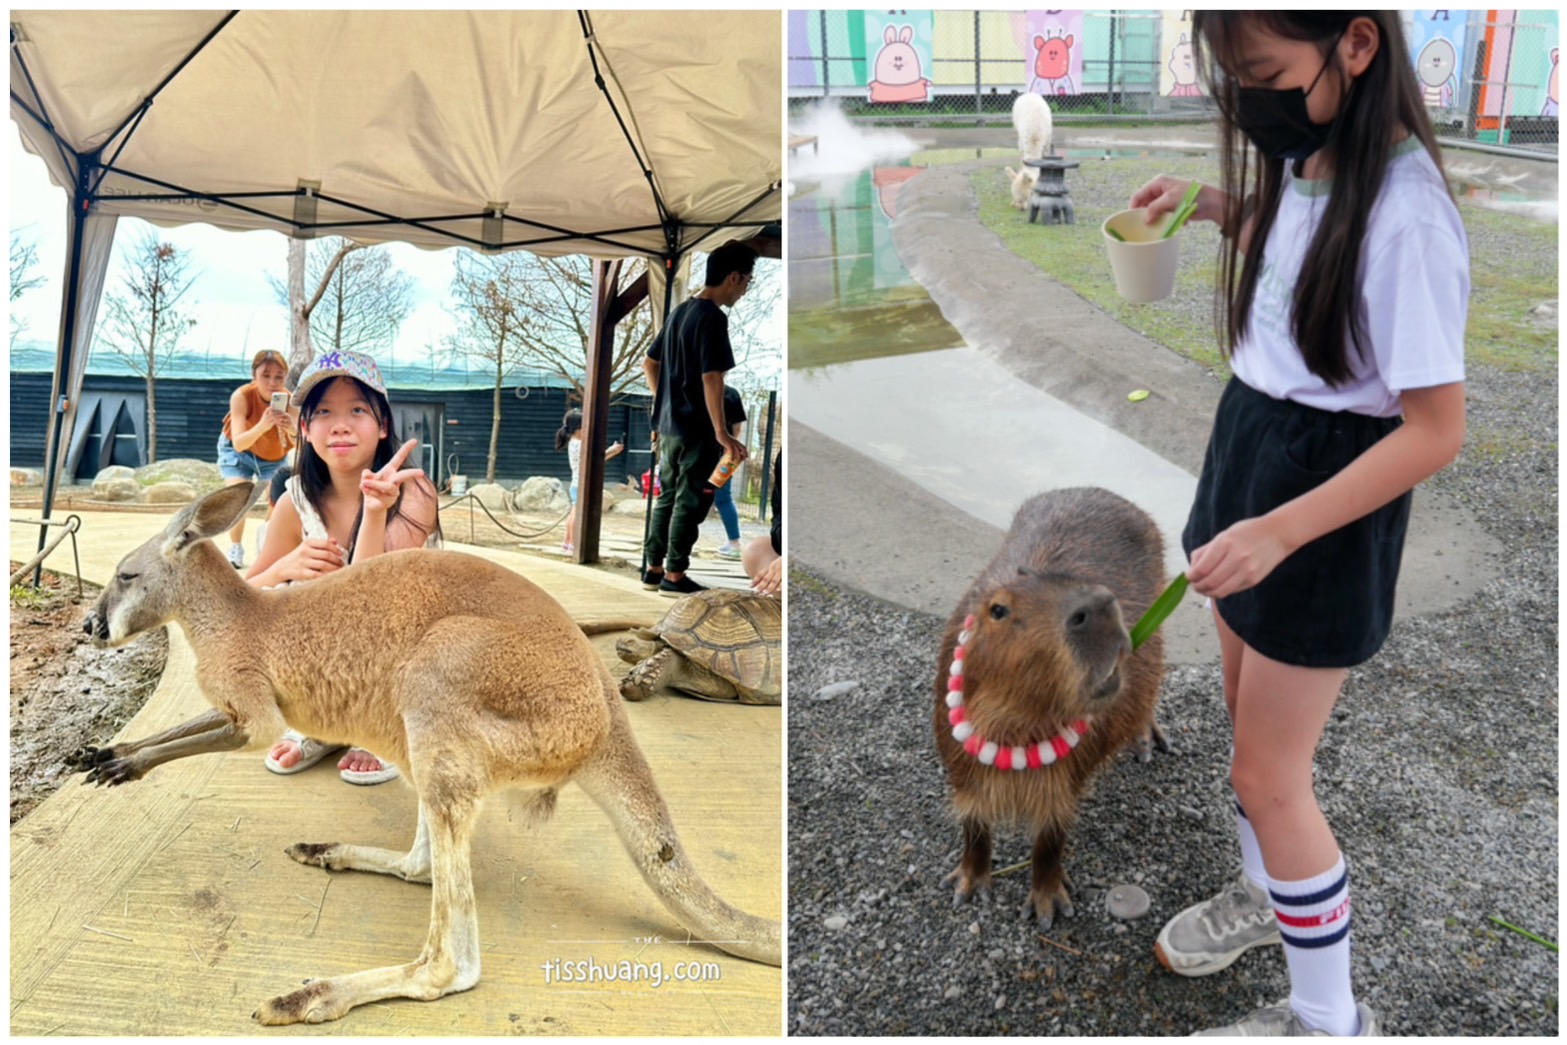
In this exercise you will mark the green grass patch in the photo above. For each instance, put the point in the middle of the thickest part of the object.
(1514, 267)
(1074, 255)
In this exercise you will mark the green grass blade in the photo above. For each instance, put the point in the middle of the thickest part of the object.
(1116, 234)
(1162, 607)
(1523, 932)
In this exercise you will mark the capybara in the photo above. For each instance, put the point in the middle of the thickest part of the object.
(1038, 685)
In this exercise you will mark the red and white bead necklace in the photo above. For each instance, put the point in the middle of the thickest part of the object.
(1031, 756)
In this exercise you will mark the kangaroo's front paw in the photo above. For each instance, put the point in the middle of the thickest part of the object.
(113, 771)
(315, 1002)
(87, 757)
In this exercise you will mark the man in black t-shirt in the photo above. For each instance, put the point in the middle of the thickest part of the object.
(685, 367)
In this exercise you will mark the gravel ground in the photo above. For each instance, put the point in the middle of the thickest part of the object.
(1438, 772)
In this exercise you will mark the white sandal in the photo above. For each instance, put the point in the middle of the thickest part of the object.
(365, 777)
(311, 751)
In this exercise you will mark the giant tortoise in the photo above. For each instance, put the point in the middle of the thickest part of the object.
(715, 644)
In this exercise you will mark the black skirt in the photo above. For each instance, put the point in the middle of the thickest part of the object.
(1330, 604)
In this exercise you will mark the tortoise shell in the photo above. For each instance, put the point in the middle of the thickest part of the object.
(735, 635)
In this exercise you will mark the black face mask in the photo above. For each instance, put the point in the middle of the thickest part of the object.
(1278, 123)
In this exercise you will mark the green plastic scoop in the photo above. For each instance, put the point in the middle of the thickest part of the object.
(1162, 607)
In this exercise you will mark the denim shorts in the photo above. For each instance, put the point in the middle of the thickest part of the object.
(1330, 604)
(244, 464)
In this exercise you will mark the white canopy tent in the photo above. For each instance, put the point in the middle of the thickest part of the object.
(611, 134)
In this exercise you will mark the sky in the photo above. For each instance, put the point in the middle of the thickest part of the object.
(237, 312)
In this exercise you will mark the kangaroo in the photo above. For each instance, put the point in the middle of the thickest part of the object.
(474, 681)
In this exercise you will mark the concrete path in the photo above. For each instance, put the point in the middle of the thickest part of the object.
(167, 906)
(910, 510)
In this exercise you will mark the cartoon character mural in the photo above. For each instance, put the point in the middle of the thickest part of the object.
(1436, 66)
(1436, 44)
(1183, 69)
(1053, 64)
(898, 77)
(1553, 95)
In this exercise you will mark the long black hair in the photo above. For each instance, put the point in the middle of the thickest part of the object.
(1326, 314)
(570, 425)
(315, 479)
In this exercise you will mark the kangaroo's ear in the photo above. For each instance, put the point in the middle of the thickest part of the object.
(211, 515)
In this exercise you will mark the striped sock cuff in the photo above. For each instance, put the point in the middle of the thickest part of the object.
(1313, 913)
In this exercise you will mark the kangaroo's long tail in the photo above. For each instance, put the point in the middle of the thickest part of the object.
(618, 779)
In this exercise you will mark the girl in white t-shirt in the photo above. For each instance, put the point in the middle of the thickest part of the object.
(569, 438)
(1346, 281)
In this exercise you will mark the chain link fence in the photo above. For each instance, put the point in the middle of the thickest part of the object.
(1491, 81)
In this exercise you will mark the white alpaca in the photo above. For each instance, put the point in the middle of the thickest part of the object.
(1031, 117)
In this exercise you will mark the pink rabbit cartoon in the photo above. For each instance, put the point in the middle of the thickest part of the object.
(1053, 65)
(898, 76)
(1553, 97)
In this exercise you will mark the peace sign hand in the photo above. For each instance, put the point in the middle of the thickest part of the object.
(380, 488)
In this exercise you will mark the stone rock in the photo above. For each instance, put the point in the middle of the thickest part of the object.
(116, 489)
(492, 495)
(541, 493)
(26, 477)
(169, 492)
(630, 506)
(114, 471)
(202, 476)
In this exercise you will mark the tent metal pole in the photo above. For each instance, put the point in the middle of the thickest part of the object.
(81, 207)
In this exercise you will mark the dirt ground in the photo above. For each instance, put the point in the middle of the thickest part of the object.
(67, 693)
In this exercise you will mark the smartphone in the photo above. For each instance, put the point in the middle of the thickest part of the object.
(280, 401)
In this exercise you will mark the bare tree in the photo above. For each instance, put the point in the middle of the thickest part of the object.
(492, 322)
(24, 256)
(145, 320)
(341, 295)
(755, 334)
(557, 297)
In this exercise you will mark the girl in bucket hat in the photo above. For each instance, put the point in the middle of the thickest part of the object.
(349, 499)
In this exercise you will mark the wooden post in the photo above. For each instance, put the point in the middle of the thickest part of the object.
(595, 410)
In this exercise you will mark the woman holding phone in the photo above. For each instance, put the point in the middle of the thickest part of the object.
(257, 434)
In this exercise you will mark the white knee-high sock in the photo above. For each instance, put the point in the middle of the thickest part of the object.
(1314, 921)
(1251, 852)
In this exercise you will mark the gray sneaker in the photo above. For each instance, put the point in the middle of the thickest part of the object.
(1209, 936)
(1280, 1021)
(237, 556)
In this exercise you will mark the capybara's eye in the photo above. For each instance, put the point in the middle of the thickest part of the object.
(1077, 620)
(999, 612)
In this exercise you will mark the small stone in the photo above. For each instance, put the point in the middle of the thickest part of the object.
(973, 929)
(953, 992)
(836, 689)
(836, 922)
(1126, 902)
(996, 955)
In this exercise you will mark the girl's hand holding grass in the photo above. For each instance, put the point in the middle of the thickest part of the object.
(1165, 194)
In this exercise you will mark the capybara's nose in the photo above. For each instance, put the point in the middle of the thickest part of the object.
(1092, 606)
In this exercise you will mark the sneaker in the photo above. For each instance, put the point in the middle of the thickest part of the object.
(1209, 936)
(566, 547)
(237, 556)
(1280, 1021)
(684, 586)
(729, 550)
(651, 579)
